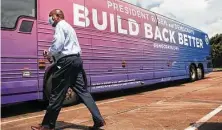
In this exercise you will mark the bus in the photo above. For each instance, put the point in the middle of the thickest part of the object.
(123, 46)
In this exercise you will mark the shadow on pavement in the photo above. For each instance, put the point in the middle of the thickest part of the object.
(37, 106)
(61, 125)
(22, 108)
(138, 90)
(211, 126)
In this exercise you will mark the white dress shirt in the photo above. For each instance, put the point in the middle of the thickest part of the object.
(65, 41)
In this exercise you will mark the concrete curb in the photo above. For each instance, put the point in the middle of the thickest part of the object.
(217, 70)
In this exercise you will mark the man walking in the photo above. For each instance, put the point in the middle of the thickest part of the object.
(66, 51)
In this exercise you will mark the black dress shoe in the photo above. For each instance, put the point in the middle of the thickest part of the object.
(40, 128)
(99, 124)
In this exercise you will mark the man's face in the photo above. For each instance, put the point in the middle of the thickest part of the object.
(53, 19)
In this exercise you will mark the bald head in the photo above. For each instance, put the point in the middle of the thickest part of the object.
(57, 13)
(55, 16)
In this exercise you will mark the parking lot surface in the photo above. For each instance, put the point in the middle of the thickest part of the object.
(173, 106)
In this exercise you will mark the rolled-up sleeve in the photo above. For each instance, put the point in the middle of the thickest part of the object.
(58, 41)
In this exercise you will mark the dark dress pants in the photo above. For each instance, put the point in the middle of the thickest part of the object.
(69, 75)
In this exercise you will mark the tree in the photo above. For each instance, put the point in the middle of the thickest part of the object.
(216, 51)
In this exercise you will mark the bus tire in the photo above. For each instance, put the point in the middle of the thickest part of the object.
(70, 99)
(193, 73)
(200, 73)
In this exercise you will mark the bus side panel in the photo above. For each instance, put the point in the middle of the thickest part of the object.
(19, 65)
(106, 66)
(193, 46)
(140, 67)
(45, 33)
(118, 59)
(108, 49)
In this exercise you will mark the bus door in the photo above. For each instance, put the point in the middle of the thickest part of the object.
(18, 51)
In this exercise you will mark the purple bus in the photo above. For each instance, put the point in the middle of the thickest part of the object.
(123, 46)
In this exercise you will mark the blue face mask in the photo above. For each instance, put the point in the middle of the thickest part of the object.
(51, 20)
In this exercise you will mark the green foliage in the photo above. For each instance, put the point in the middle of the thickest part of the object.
(216, 53)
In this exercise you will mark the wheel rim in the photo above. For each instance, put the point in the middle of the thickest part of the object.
(193, 76)
(199, 72)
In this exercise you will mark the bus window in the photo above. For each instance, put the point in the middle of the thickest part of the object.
(26, 26)
(13, 9)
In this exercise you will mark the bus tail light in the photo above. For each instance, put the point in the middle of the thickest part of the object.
(42, 64)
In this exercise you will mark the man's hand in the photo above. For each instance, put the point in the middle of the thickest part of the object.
(49, 59)
(45, 53)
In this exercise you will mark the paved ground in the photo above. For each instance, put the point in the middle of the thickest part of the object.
(173, 106)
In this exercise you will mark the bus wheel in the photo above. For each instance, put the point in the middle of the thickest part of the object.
(193, 73)
(71, 97)
(200, 74)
